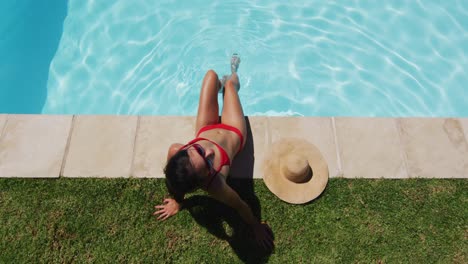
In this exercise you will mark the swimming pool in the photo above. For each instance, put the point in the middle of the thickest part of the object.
(310, 58)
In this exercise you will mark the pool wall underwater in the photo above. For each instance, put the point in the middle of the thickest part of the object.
(30, 32)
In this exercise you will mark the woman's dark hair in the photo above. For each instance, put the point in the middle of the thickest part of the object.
(180, 175)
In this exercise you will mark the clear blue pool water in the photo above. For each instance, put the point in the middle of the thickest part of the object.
(310, 58)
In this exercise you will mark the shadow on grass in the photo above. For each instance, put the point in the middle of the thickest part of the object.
(223, 221)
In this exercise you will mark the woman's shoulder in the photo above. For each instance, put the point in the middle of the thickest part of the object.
(173, 149)
(176, 146)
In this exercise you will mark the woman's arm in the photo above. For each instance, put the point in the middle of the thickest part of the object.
(170, 206)
(224, 193)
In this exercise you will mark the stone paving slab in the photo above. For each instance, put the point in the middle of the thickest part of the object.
(316, 130)
(252, 154)
(33, 146)
(3, 119)
(464, 124)
(157, 133)
(370, 148)
(435, 147)
(154, 136)
(101, 146)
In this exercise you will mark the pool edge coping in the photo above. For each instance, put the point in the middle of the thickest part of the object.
(354, 147)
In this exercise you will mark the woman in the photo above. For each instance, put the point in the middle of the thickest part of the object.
(205, 161)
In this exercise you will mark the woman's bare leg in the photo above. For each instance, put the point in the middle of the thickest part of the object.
(208, 108)
(232, 113)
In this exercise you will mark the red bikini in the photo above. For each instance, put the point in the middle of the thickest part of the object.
(225, 127)
(224, 157)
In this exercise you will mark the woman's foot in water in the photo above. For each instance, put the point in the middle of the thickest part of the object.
(223, 81)
(235, 61)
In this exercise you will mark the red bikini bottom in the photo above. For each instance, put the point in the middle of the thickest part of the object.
(226, 127)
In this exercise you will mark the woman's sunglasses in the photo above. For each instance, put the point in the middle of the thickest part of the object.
(201, 151)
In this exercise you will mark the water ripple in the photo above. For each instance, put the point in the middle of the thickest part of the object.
(324, 58)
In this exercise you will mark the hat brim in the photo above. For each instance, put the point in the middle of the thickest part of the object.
(286, 190)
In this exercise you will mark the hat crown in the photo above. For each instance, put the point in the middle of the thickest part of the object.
(296, 168)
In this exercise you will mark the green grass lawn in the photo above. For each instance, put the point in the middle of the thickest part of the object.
(110, 220)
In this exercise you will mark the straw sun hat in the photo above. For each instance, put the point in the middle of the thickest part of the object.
(295, 171)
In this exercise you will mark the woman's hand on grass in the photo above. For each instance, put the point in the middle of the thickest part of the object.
(169, 208)
(263, 235)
